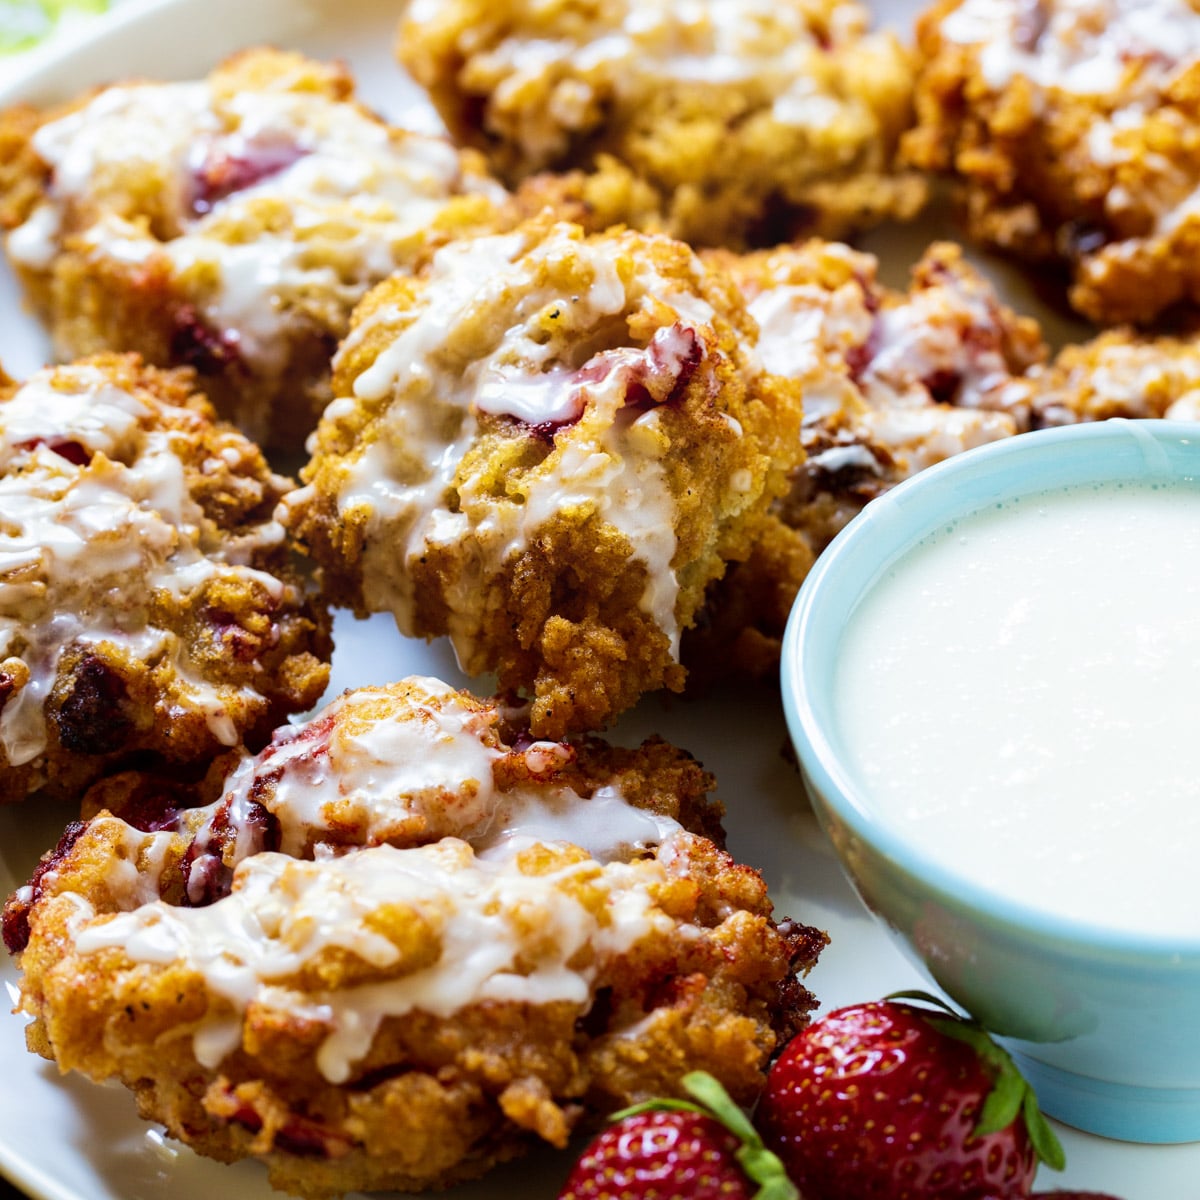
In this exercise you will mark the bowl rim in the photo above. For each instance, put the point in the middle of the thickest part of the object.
(898, 519)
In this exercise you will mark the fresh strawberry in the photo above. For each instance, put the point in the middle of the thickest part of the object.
(890, 1101)
(677, 1150)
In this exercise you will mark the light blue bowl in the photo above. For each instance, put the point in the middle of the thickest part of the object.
(1106, 1024)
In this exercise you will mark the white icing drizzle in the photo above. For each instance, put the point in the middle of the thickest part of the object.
(464, 277)
(146, 126)
(1128, 374)
(502, 934)
(892, 382)
(380, 770)
(606, 825)
(405, 473)
(798, 323)
(944, 329)
(83, 548)
(35, 243)
(1146, 377)
(414, 763)
(809, 333)
(918, 437)
(357, 199)
(134, 866)
(135, 863)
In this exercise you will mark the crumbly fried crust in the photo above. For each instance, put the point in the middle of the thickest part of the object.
(148, 604)
(229, 225)
(892, 383)
(402, 1008)
(732, 123)
(546, 448)
(1071, 127)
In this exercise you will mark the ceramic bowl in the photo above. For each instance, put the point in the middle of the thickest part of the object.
(1105, 1024)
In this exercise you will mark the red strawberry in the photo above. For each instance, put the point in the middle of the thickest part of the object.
(889, 1101)
(676, 1150)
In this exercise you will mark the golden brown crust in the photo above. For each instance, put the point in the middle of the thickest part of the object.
(23, 176)
(1119, 374)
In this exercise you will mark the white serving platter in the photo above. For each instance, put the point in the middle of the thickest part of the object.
(62, 1138)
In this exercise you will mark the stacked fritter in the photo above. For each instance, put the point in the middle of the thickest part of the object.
(412, 935)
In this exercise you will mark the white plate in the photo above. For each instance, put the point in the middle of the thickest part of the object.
(66, 1139)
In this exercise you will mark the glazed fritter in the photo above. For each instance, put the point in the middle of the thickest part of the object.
(404, 942)
(715, 122)
(1070, 126)
(229, 224)
(149, 605)
(546, 447)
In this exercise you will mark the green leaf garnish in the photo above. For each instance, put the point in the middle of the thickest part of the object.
(1045, 1141)
(759, 1163)
(656, 1105)
(1004, 1102)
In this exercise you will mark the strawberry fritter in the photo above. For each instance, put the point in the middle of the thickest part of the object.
(892, 382)
(546, 447)
(506, 936)
(148, 605)
(1071, 125)
(229, 224)
(1118, 374)
(727, 121)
